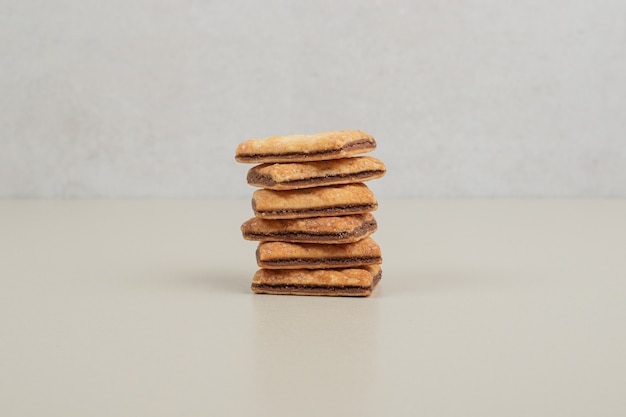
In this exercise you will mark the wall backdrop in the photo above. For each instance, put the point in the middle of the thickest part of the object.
(467, 98)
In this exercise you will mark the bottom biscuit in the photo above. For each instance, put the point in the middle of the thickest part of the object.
(353, 282)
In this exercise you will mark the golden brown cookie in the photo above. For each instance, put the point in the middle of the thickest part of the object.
(302, 148)
(295, 175)
(333, 200)
(355, 282)
(284, 255)
(333, 229)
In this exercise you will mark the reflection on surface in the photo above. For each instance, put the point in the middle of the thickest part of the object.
(314, 354)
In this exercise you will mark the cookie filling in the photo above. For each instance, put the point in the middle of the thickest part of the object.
(268, 181)
(317, 289)
(343, 237)
(356, 261)
(315, 212)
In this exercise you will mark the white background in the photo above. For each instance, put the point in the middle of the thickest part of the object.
(466, 98)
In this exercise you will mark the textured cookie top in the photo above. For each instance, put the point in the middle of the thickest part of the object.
(316, 225)
(365, 248)
(333, 229)
(319, 197)
(285, 176)
(312, 202)
(351, 277)
(301, 148)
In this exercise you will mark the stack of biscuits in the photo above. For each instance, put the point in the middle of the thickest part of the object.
(312, 212)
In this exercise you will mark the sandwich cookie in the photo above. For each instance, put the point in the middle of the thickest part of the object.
(355, 282)
(295, 175)
(283, 255)
(333, 229)
(332, 200)
(302, 148)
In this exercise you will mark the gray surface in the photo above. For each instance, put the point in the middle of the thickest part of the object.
(467, 98)
(486, 308)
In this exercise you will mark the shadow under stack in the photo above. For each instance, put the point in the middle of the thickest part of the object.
(313, 215)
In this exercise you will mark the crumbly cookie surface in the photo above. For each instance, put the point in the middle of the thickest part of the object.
(310, 202)
(329, 282)
(332, 229)
(277, 255)
(313, 147)
(287, 176)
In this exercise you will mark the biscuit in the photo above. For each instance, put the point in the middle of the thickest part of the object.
(355, 282)
(284, 255)
(291, 176)
(333, 200)
(334, 229)
(302, 148)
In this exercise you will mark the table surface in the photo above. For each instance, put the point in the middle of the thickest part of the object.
(143, 308)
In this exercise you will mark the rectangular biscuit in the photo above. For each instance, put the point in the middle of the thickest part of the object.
(329, 230)
(295, 175)
(354, 282)
(284, 255)
(333, 200)
(302, 148)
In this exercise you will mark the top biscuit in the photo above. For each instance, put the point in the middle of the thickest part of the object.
(302, 148)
